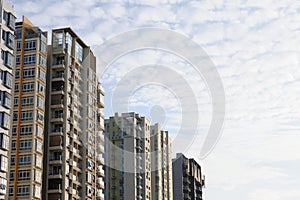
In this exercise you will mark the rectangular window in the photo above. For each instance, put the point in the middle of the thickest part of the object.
(17, 87)
(12, 160)
(3, 185)
(25, 144)
(15, 115)
(11, 175)
(38, 146)
(3, 163)
(23, 190)
(10, 20)
(5, 120)
(27, 115)
(30, 45)
(9, 39)
(29, 59)
(17, 73)
(19, 44)
(11, 191)
(40, 102)
(43, 47)
(42, 75)
(27, 101)
(7, 79)
(23, 175)
(38, 161)
(13, 144)
(78, 52)
(26, 130)
(41, 88)
(14, 130)
(40, 116)
(28, 87)
(8, 59)
(28, 73)
(18, 60)
(16, 101)
(5, 99)
(39, 131)
(25, 160)
(43, 61)
(4, 141)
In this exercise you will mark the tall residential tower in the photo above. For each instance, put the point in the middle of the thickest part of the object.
(75, 123)
(26, 160)
(7, 25)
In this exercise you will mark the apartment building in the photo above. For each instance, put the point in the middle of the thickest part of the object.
(127, 157)
(7, 21)
(161, 163)
(187, 179)
(75, 123)
(26, 159)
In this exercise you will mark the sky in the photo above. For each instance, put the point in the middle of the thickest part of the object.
(254, 45)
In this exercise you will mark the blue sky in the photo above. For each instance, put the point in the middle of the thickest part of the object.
(255, 47)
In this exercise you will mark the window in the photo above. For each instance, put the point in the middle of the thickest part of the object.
(39, 131)
(39, 116)
(58, 39)
(15, 115)
(16, 101)
(17, 73)
(14, 130)
(41, 88)
(4, 141)
(28, 87)
(8, 59)
(5, 120)
(19, 46)
(25, 144)
(43, 61)
(6, 79)
(9, 39)
(29, 73)
(38, 146)
(10, 20)
(11, 175)
(42, 75)
(78, 52)
(29, 59)
(43, 47)
(3, 163)
(27, 115)
(5, 99)
(12, 160)
(18, 60)
(11, 190)
(30, 45)
(23, 175)
(16, 87)
(13, 144)
(23, 190)
(3, 185)
(38, 161)
(40, 102)
(26, 130)
(27, 101)
(25, 160)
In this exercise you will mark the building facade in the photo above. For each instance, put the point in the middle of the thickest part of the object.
(161, 163)
(187, 179)
(75, 123)
(127, 157)
(7, 21)
(26, 159)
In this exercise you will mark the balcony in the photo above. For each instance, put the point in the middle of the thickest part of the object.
(58, 65)
(59, 103)
(57, 118)
(100, 100)
(55, 174)
(100, 159)
(56, 160)
(100, 148)
(58, 77)
(100, 183)
(100, 171)
(55, 188)
(58, 90)
(57, 131)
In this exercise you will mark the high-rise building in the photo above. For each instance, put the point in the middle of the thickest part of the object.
(7, 24)
(127, 157)
(161, 162)
(74, 132)
(26, 159)
(187, 179)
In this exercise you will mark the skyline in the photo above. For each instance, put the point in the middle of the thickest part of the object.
(254, 47)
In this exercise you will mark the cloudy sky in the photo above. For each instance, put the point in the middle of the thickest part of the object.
(255, 46)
